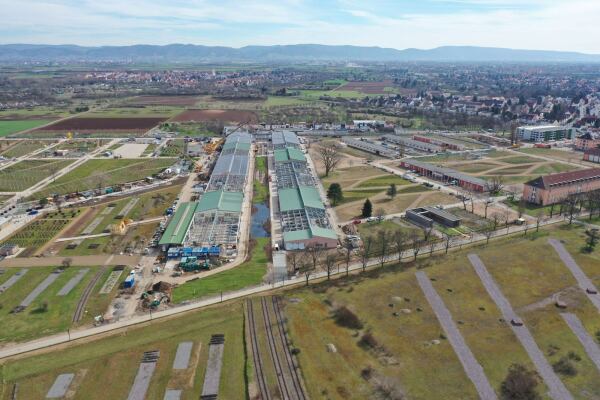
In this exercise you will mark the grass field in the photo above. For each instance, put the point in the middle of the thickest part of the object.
(10, 127)
(39, 232)
(25, 174)
(405, 352)
(116, 360)
(249, 273)
(558, 155)
(103, 173)
(143, 111)
(384, 181)
(391, 226)
(23, 147)
(33, 321)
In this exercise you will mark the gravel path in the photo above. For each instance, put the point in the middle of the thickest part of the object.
(558, 391)
(182, 357)
(74, 281)
(591, 348)
(472, 367)
(60, 386)
(583, 281)
(172, 394)
(12, 280)
(39, 289)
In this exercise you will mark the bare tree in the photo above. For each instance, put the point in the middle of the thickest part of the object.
(496, 220)
(415, 243)
(448, 239)
(348, 247)
(314, 254)
(330, 156)
(521, 207)
(570, 206)
(66, 263)
(488, 231)
(365, 252)
(464, 199)
(294, 259)
(427, 231)
(307, 268)
(486, 205)
(399, 239)
(432, 243)
(495, 184)
(538, 221)
(384, 244)
(379, 214)
(330, 261)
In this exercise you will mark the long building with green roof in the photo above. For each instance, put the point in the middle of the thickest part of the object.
(304, 219)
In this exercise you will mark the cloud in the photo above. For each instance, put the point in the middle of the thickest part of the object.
(525, 24)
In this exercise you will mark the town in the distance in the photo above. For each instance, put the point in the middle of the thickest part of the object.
(297, 228)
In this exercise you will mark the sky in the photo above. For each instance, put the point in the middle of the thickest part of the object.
(568, 25)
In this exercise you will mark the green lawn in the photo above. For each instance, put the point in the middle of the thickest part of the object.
(383, 181)
(261, 164)
(249, 273)
(353, 195)
(23, 147)
(103, 173)
(373, 228)
(33, 322)
(261, 192)
(116, 359)
(553, 168)
(520, 160)
(10, 127)
(25, 174)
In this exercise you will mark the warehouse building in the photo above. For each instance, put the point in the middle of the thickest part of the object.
(554, 188)
(544, 133)
(592, 155)
(445, 175)
(442, 142)
(214, 221)
(426, 216)
(370, 147)
(304, 219)
(283, 139)
(423, 146)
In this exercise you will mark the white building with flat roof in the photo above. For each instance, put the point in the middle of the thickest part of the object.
(544, 133)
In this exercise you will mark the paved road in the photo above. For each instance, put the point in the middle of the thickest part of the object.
(584, 282)
(588, 343)
(469, 362)
(558, 391)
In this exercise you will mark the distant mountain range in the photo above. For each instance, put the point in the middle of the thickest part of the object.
(286, 53)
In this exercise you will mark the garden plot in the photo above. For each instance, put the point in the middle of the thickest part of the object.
(104, 173)
(25, 174)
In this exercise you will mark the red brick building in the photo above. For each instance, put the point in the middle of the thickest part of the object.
(551, 189)
(586, 141)
(592, 155)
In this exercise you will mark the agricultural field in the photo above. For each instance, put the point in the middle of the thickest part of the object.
(104, 124)
(34, 113)
(178, 100)
(10, 127)
(154, 111)
(35, 235)
(116, 359)
(27, 173)
(19, 148)
(81, 146)
(216, 115)
(367, 88)
(399, 341)
(49, 313)
(103, 173)
(99, 219)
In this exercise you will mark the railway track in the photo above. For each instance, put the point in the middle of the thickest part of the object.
(87, 292)
(297, 382)
(284, 370)
(258, 363)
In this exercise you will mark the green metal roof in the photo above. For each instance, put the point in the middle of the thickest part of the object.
(306, 234)
(235, 144)
(179, 224)
(298, 198)
(221, 200)
(289, 154)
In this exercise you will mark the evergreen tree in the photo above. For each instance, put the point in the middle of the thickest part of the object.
(367, 209)
(392, 191)
(335, 194)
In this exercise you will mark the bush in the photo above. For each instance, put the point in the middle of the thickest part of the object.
(520, 384)
(565, 366)
(368, 341)
(346, 318)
